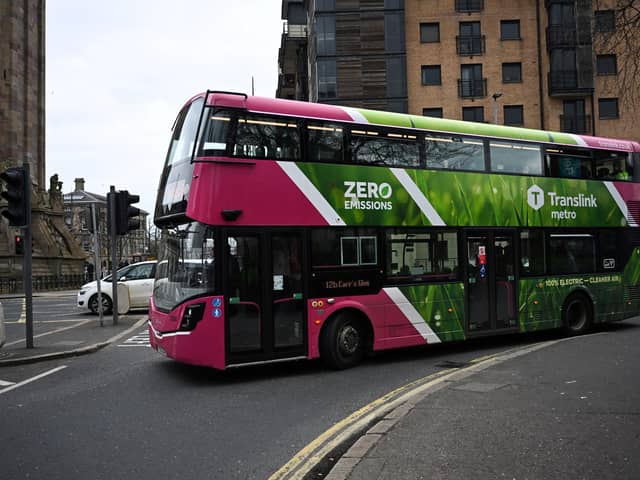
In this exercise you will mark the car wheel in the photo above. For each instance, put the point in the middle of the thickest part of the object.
(106, 304)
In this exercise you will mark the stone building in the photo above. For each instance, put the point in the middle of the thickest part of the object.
(22, 134)
(566, 65)
(132, 247)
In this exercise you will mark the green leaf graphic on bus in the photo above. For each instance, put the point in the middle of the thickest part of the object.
(364, 195)
(442, 307)
(374, 196)
(509, 200)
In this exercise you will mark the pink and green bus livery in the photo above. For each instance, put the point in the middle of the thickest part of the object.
(293, 230)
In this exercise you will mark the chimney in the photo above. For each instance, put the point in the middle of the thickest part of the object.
(79, 184)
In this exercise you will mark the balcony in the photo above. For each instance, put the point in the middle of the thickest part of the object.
(575, 124)
(468, 6)
(469, 45)
(294, 31)
(559, 36)
(565, 82)
(472, 88)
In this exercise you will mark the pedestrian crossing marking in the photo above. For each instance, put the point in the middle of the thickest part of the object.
(139, 340)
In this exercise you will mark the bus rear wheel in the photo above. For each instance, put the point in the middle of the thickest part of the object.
(577, 314)
(343, 342)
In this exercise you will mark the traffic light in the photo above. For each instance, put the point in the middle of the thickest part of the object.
(16, 196)
(19, 242)
(127, 217)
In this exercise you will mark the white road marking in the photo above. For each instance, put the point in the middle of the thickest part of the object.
(58, 330)
(32, 379)
(4, 383)
(140, 340)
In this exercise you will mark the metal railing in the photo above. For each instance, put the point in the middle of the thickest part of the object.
(472, 88)
(561, 36)
(469, 5)
(470, 44)
(44, 283)
(575, 123)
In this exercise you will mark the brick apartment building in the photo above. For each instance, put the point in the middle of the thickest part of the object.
(568, 65)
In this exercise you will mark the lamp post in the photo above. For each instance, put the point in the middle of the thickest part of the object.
(496, 96)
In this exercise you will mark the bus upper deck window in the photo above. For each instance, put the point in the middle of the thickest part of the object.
(267, 137)
(215, 134)
(613, 165)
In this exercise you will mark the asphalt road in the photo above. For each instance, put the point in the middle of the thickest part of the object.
(126, 412)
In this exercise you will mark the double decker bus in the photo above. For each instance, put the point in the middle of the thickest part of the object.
(293, 230)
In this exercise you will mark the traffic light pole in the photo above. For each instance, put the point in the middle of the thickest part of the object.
(114, 266)
(96, 260)
(27, 264)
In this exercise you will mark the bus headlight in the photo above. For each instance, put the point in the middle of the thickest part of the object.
(191, 316)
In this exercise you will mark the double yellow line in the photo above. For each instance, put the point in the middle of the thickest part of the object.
(312, 454)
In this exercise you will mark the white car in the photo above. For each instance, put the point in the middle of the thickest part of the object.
(139, 279)
(3, 335)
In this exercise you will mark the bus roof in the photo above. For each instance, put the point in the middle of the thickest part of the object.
(337, 113)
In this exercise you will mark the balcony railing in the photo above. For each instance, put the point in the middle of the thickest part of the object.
(294, 31)
(561, 36)
(469, 5)
(563, 80)
(575, 123)
(470, 44)
(472, 88)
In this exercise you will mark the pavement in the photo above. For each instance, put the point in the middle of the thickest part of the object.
(567, 408)
(85, 336)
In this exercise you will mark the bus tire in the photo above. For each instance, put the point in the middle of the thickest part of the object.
(577, 314)
(343, 342)
(106, 304)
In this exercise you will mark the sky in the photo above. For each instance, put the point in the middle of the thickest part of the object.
(118, 72)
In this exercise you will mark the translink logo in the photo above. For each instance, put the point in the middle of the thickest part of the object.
(563, 206)
(535, 197)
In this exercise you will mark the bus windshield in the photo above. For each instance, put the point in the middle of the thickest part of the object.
(185, 265)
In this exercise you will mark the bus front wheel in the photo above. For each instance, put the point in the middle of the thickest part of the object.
(343, 342)
(577, 314)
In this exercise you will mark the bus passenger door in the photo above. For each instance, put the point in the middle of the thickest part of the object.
(490, 281)
(264, 291)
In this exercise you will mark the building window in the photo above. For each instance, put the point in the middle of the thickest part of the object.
(429, 32)
(431, 75)
(471, 83)
(509, 29)
(394, 32)
(327, 80)
(469, 5)
(511, 72)
(396, 77)
(432, 112)
(325, 5)
(514, 115)
(608, 108)
(473, 114)
(606, 65)
(605, 20)
(326, 35)
(470, 41)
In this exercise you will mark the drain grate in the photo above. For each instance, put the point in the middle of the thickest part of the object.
(452, 364)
